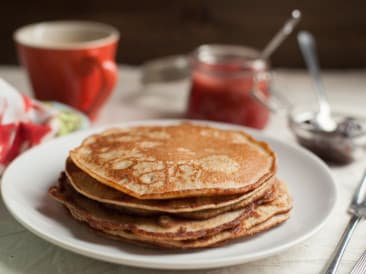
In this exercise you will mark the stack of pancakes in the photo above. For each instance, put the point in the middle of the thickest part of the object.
(176, 186)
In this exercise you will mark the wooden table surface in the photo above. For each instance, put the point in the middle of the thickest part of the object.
(23, 252)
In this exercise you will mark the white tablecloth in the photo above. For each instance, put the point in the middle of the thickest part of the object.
(22, 252)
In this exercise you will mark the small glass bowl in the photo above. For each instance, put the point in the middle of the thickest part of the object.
(339, 147)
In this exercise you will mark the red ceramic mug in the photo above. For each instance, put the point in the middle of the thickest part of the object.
(72, 62)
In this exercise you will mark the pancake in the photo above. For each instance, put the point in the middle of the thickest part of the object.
(247, 230)
(176, 233)
(258, 199)
(158, 227)
(183, 160)
(191, 207)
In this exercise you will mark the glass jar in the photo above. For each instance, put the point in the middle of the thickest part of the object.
(226, 83)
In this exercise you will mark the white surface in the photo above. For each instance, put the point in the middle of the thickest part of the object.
(22, 252)
(314, 195)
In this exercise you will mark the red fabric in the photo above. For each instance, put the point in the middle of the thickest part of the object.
(15, 138)
(6, 137)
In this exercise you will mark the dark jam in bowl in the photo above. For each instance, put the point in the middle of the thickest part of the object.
(339, 147)
(221, 91)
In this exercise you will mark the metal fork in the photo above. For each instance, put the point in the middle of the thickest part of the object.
(357, 209)
(360, 266)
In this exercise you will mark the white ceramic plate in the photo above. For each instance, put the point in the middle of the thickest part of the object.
(27, 179)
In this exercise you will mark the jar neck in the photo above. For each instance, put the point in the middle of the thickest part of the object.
(225, 60)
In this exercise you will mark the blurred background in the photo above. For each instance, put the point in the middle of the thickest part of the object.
(152, 29)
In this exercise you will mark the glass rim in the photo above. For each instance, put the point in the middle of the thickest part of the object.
(220, 54)
(240, 73)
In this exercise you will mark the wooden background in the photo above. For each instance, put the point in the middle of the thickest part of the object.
(155, 28)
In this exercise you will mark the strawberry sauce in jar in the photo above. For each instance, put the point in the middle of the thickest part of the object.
(223, 81)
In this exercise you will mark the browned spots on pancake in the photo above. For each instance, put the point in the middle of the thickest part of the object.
(208, 206)
(161, 162)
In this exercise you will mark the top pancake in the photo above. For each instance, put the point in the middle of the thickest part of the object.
(183, 160)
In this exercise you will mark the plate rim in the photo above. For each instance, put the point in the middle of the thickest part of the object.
(150, 262)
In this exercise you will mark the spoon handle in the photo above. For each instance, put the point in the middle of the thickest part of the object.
(307, 46)
(281, 34)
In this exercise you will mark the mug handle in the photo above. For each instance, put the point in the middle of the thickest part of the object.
(108, 73)
(274, 103)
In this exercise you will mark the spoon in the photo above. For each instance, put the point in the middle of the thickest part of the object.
(281, 35)
(323, 120)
